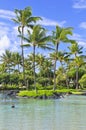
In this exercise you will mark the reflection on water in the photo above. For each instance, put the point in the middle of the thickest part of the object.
(68, 113)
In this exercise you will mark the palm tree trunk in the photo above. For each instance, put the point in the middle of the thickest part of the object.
(77, 77)
(9, 74)
(23, 53)
(18, 68)
(54, 76)
(67, 82)
(55, 68)
(34, 68)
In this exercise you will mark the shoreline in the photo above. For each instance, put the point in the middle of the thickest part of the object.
(41, 94)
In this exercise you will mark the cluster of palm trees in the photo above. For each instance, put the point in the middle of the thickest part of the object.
(39, 66)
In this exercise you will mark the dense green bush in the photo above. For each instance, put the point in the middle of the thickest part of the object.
(14, 79)
(9, 87)
(38, 86)
(4, 78)
(82, 81)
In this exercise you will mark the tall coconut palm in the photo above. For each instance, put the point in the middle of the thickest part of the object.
(37, 38)
(76, 50)
(63, 58)
(47, 69)
(58, 36)
(24, 19)
(78, 62)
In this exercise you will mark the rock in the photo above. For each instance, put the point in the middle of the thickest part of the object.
(84, 93)
(12, 92)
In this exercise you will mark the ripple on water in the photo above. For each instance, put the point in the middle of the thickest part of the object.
(68, 113)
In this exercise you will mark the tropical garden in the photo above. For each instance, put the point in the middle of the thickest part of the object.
(53, 68)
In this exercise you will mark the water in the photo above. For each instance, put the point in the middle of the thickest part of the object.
(68, 113)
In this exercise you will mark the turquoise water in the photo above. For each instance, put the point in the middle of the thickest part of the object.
(68, 113)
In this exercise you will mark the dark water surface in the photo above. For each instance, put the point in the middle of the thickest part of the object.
(68, 113)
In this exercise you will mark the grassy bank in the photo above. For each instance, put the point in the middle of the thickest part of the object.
(34, 94)
(49, 93)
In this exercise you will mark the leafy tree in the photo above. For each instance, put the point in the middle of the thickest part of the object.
(60, 35)
(77, 60)
(82, 81)
(16, 60)
(6, 59)
(24, 19)
(37, 38)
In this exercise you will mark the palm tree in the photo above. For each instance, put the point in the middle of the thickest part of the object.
(60, 35)
(47, 68)
(39, 58)
(17, 60)
(6, 58)
(77, 61)
(37, 38)
(24, 19)
(75, 49)
(2, 68)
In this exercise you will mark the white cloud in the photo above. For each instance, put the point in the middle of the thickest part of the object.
(82, 43)
(15, 48)
(46, 22)
(8, 38)
(4, 43)
(76, 36)
(4, 31)
(80, 4)
(9, 32)
(6, 14)
(15, 30)
(83, 25)
(3, 24)
(80, 40)
(49, 22)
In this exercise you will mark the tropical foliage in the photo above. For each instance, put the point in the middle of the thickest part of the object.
(51, 63)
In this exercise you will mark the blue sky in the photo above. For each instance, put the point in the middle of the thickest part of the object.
(65, 13)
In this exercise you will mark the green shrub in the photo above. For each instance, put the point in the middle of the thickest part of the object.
(9, 87)
(82, 81)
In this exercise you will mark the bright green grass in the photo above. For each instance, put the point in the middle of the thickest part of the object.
(77, 93)
(34, 94)
(47, 92)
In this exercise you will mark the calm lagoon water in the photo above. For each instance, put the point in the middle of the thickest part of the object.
(68, 113)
